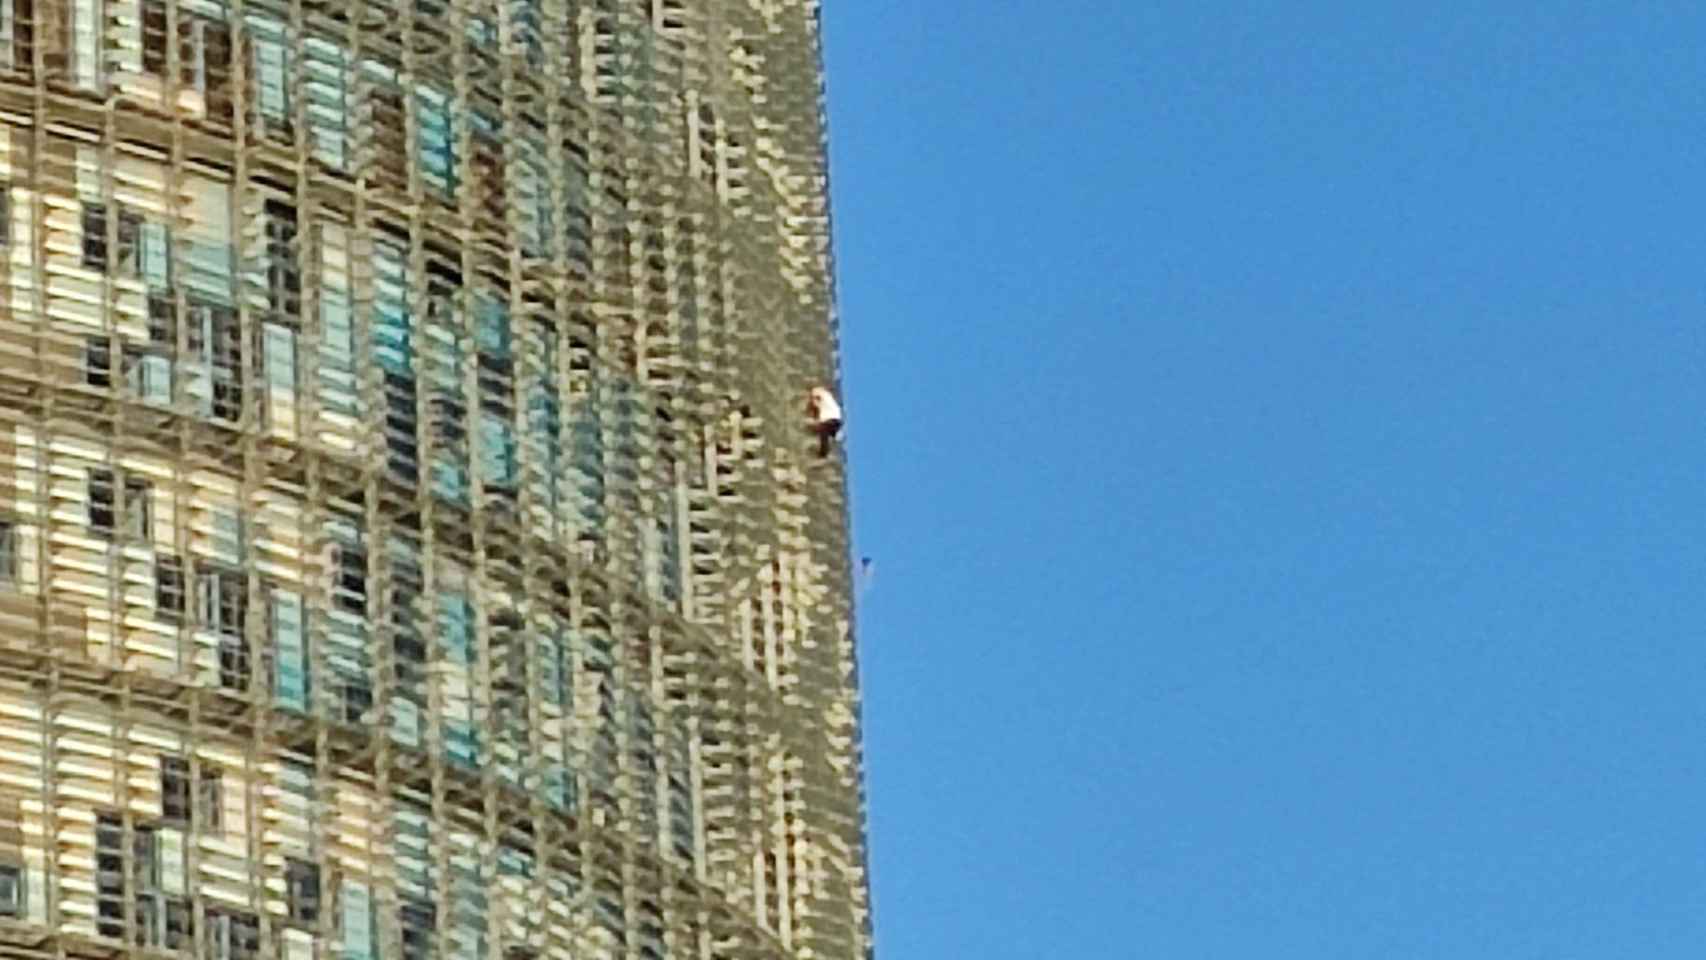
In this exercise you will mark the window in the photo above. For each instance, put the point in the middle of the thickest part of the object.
(148, 376)
(220, 599)
(180, 931)
(486, 139)
(348, 647)
(388, 115)
(98, 362)
(228, 535)
(162, 320)
(324, 68)
(456, 627)
(302, 885)
(407, 584)
(17, 46)
(681, 814)
(418, 921)
(9, 560)
(349, 589)
(284, 280)
(272, 74)
(527, 23)
(155, 38)
(357, 700)
(216, 337)
(278, 357)
(497, 453)
(496, 384)
(493, 342)
(145, 864)
(221, 602)
(211, 59)
(233, 664)
(95, 236)
(204, 54)
(110, 882)
(175, 790)
(290, 678)
(358, 926)
(533, 198)
(101, 498)
(336, 366)
(145, 856)
(232, 935)
(138, 509)
(402, 440)
(210, 799)
(129, 242)
(164, 892)
(394, 344)
(435, 142)
(84, 54)
(169, 588)
(11, 890)
(154, 255)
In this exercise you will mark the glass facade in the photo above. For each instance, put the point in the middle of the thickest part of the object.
(410, 541)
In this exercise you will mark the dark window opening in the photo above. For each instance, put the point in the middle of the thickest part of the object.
(449, 418)
(389, 121)
(233, 664)
(10, 561)
(418, 922)
(162, 319)
(175, 790)
(284, 280)
(110, 883)
(217, 338)
(349, 589)
(401, 439)
(169, 588)
(98, 362)
(204, 54)
(221, 606)
(23, 36)
(95, 236)
(232, 935)
(212, 39)
(180, 924)
(155, 38)
(410, 648)
(11, 890)
(101, 497)
(357, 700)
(302, 883)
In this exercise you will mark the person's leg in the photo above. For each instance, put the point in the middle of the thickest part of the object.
(825, 431)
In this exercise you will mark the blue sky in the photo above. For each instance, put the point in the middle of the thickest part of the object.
(1278, 430)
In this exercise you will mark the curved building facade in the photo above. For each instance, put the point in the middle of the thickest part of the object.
(411, 543)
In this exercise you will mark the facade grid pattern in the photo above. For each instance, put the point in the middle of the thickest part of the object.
(411, 543)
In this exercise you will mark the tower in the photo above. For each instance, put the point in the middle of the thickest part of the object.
(411, 547)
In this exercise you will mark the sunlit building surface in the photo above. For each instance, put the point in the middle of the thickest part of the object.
(410, 543)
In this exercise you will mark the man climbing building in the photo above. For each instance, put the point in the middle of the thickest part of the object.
(825, 415)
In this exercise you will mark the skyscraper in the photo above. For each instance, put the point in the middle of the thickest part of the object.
(412, 546)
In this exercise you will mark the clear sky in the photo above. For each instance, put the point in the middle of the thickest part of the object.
(1280, 432)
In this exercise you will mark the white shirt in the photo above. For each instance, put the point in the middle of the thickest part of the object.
(826, 407)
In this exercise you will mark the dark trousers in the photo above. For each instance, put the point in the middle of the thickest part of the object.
(827, 431)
